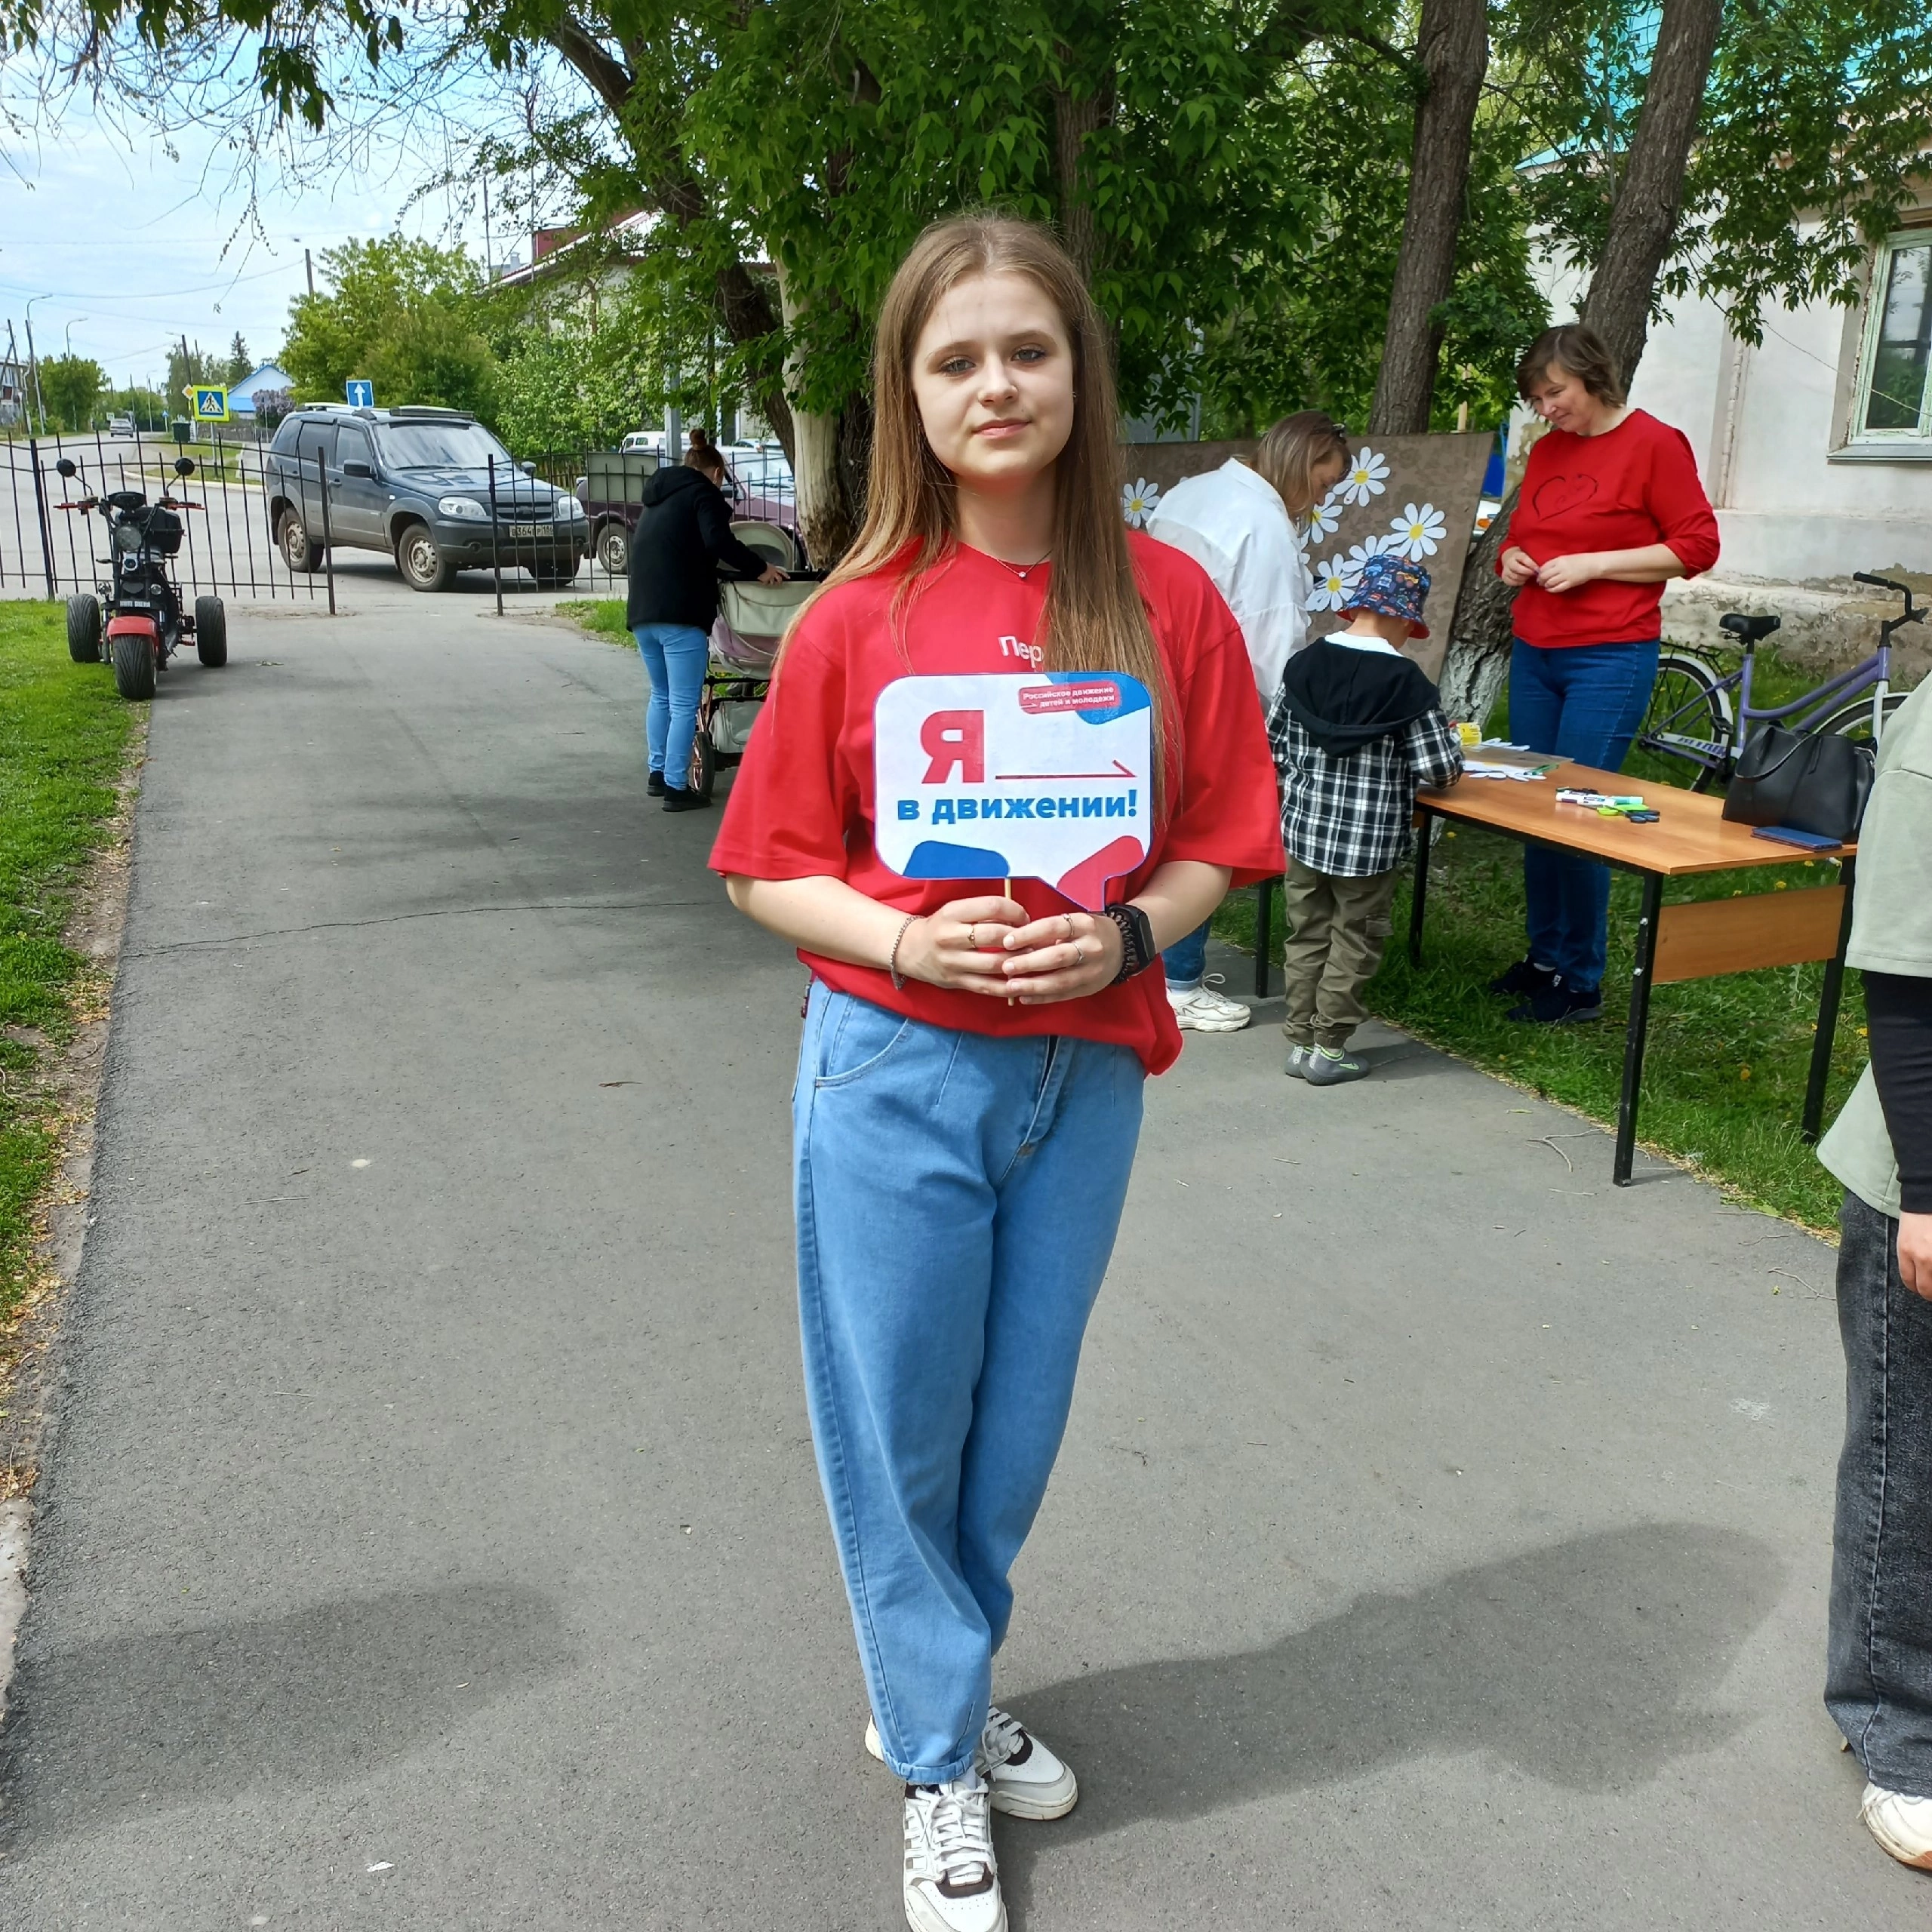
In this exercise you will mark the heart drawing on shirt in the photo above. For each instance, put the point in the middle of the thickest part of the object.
(1560, 494)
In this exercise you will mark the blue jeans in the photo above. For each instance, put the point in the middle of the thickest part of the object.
(1586, 703)
(675, 657)
(956, 1197)
(1878, 1659)
(1186, 960)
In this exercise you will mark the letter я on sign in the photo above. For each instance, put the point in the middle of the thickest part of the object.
(1061, 759)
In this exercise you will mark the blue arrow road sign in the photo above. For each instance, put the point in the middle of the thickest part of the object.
(361, 395)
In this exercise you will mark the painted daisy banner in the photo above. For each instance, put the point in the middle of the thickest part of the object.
(1414, 496)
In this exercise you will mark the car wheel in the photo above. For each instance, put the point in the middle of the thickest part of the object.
(298, 552)
(423, 565)
(614, 549)
(133, 654)
(211, 632)
(83, 628)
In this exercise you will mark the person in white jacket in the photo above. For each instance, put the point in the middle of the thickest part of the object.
(1239, 523)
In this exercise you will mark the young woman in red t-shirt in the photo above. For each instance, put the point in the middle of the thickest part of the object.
(1610, 510)
(969, 1088)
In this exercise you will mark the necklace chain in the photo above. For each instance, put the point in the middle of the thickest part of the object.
(1022, 571)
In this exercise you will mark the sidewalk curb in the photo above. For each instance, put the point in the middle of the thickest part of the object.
(13, 1586)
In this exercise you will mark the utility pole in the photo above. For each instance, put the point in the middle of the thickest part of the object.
(308, 269)
(489, 267)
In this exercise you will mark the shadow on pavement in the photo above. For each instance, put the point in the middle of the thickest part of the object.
(327, 1693)
(1589, 1664)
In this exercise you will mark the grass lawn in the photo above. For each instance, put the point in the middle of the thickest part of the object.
(605, 615)
(1725, 1069)
(63, 736)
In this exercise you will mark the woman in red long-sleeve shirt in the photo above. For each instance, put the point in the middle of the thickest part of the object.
(1611, 509)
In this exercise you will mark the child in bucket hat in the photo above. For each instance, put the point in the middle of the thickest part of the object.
(1355, 726)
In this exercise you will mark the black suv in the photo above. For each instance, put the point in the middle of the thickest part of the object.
(415, 483)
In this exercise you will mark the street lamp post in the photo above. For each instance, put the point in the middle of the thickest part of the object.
(33, 361)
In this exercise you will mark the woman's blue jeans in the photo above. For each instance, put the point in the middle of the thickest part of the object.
(1585, 703)
(1878, 1673)
(957, 1198)
(675, 657)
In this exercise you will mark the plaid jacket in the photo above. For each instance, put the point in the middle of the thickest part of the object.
(1349, 816)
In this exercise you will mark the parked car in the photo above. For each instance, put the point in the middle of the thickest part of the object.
(417, 483)
(611, 491)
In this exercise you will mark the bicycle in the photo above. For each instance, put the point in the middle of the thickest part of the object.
(1691, 716)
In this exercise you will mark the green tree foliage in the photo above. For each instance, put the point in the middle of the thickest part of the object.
(402, 314)
(186, 370)
(240, 363)
(73, 388)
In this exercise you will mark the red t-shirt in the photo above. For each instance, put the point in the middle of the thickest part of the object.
(1634, 485)
(801, 805)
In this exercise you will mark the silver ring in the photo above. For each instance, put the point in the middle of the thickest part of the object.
(1067, 920)
(1079, 957)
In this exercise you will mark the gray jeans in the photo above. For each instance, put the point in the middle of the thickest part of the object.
(1878, 1668)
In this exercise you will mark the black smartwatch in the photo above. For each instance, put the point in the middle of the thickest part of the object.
(1137, 949)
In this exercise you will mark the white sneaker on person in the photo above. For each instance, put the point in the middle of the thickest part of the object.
(1026, 1779)
(951, 1884)
(1902, 1825)
(1202, 1009)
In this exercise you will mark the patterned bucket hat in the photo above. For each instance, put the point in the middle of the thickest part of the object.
(1390, 587)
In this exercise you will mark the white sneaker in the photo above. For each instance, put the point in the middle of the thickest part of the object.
(1202, 1009)
(951, 1882)
(1026, 1779)
(1903, 1825)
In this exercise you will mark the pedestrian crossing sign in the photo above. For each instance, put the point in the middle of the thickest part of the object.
(210, 405)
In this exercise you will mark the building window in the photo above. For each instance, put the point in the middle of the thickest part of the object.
(1895, 373)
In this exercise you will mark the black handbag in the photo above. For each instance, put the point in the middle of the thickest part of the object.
(1812, 781)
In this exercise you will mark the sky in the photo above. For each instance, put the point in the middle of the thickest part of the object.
(123, 248)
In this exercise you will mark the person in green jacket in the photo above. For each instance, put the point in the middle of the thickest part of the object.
(1879, 1683)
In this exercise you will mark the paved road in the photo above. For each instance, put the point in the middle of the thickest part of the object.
(431, 1540)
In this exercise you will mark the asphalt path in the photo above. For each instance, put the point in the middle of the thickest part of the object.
(430, 1539)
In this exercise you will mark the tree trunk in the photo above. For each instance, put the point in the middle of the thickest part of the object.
(1453, 45)
(1643, 224)
(830, 484)
(1074, 118)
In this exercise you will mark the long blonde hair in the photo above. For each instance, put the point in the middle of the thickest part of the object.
(1289, 455)
(1095, 619)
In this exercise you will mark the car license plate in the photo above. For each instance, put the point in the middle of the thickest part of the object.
(527, 529)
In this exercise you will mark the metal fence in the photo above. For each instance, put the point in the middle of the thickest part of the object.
(50, 546)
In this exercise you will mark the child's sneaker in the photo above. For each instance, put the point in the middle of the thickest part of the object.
(951, 1882)
(1324, 1067)
(1296, 1065)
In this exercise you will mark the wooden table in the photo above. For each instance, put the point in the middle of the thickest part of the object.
(1696, 939)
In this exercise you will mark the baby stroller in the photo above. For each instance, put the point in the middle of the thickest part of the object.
(752, 618)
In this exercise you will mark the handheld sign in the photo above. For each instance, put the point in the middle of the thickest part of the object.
(1042, 775)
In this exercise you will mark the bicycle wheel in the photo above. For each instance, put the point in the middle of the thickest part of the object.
(1689, 717)
(1853, 720)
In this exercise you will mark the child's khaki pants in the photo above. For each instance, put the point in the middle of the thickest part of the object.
(1336, 929)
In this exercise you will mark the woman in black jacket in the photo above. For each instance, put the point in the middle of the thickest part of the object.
(683, 536)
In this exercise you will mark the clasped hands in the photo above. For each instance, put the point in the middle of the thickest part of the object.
(1560, 574)
(993, 945)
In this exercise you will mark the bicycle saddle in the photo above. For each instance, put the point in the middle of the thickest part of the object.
(1751, 629)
